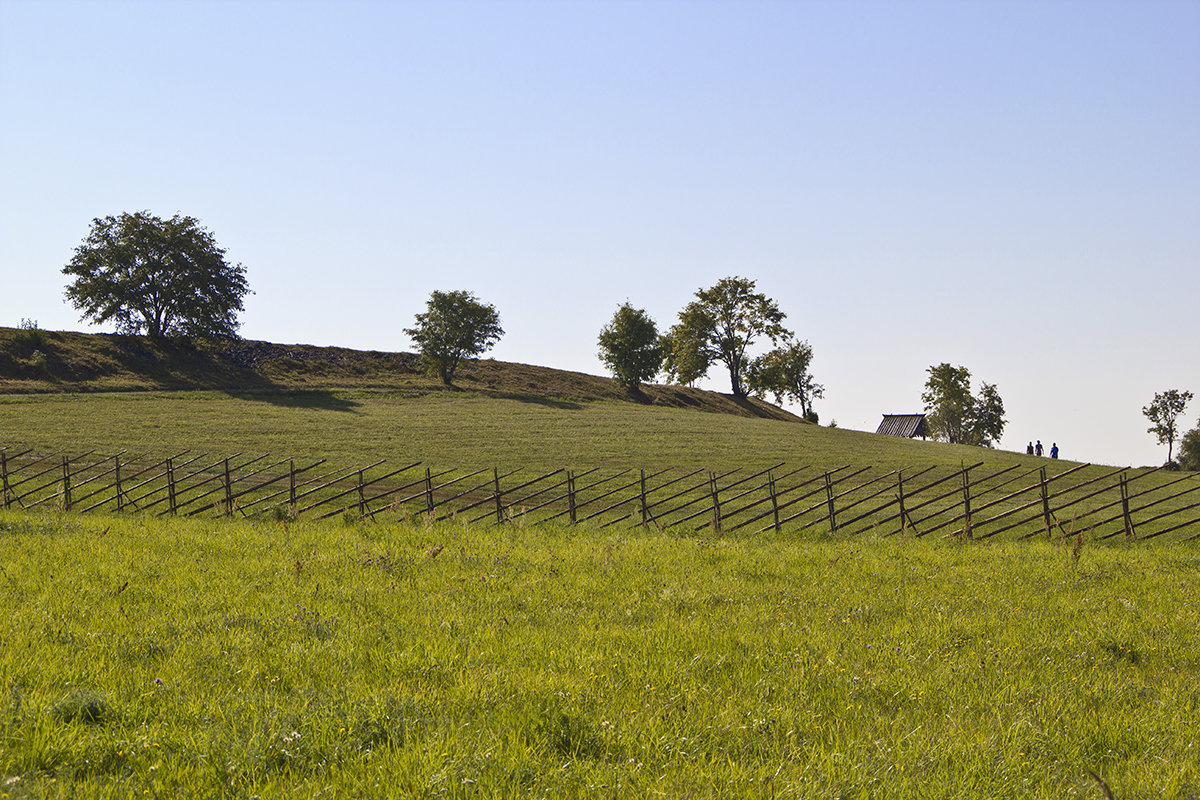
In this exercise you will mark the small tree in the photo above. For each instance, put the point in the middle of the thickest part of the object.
(165, 278)
(721, 324)
(1163, 413)
(685, 359)
(631, 347)
(955, 415)
(784, 373)
(1189, 449)
(454, 326)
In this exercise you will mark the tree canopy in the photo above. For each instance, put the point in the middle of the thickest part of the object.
(1164, 413)
(720, 325)
(1189, 449)
(955, 415)
(455, 325)
(784, 373)
(631, 347)
(164, 278)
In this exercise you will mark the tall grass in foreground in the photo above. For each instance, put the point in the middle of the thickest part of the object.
(210, 659)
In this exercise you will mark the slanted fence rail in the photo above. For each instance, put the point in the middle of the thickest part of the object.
(968, 502)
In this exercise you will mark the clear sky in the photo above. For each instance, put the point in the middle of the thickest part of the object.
(1010, 186)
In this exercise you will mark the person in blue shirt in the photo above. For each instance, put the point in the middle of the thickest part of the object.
(1037, 448)
(1054, 450)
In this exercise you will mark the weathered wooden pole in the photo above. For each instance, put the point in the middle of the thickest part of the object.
(496, 495)
(774, 499)
(362, 499)
(4, 479)
(291, 481)
(428, 491)
(120, 492)
(66, 465)
(716, 501)
(642, 495)
(228, 491)
(829, 502)
(571, 495)
(1130, 533)
(171, 486)
(966, 487)
(1045, 504)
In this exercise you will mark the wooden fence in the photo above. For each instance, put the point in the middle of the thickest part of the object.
(968, 502)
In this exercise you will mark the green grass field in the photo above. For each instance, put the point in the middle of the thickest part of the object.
(208, 657)
(453, 430)
(172, 658)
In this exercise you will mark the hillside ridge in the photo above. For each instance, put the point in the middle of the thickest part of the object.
(41, 362)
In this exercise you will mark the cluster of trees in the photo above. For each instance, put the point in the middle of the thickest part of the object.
(169, 279)
(1164, 414)
(720, 325)
(954, 414)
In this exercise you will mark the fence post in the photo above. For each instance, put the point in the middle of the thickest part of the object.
(428, 491)
(571, 494)
(228, 491)
(966, 484)
(716, 501)
(4, 478)
(120, 495)
(66, 484)
(1045, 505)
(643, 497)
(774, 499)
(1130, 533)
(291, 481)
(496, 495)
(362, 500)
(171, 486)
(829, 501)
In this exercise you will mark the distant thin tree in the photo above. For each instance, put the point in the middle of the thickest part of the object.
(455, 325)
(631, 347)
(1163, 414)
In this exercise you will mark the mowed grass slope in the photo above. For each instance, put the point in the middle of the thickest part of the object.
(178, 658)
(452, 429)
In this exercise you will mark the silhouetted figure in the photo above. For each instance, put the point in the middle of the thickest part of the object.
(1054, 450)
(1037, 448)
(1029, 449)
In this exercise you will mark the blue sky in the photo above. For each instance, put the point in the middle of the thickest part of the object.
(1009, 186)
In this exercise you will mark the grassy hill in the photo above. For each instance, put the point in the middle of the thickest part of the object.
(67, 362)
(114, 392)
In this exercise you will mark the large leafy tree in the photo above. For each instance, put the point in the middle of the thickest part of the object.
(784, 373)
(631, 347)
(165, 278)
(1164, 413)
(455, 325)
(721, 324)
(954, 414)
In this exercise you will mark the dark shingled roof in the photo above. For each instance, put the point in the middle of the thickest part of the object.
(906, 425)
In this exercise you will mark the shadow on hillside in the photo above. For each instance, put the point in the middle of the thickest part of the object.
(549, 402)
(323, 399)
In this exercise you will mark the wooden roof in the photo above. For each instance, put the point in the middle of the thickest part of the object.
(906, 425)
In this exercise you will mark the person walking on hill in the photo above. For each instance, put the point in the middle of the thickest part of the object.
(1037, 448)
(1054, 450)
(1029, 449)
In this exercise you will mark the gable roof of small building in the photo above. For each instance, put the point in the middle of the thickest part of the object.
(906, 425)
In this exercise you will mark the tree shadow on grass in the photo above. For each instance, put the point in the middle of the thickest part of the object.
(549, 402)
(323, 399)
